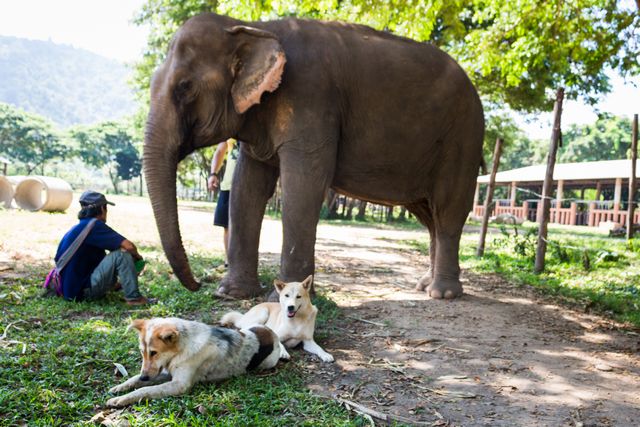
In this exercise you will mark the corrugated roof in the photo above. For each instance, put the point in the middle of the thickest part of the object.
(586, 171)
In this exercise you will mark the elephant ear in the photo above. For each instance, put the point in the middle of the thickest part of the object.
(257, 67)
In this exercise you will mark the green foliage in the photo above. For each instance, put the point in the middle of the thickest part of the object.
(522, 244)
(517, 150)
(517, 54)
(111, 145)
(64, 374)
(29, 139)
(67, 85)
(607, 139)
(195, 166)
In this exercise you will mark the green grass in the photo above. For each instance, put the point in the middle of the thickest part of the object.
(583, 267)
(64, 374)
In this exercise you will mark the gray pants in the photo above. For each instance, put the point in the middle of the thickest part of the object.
(116, 265)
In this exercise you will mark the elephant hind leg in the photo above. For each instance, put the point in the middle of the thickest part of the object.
(423, 212)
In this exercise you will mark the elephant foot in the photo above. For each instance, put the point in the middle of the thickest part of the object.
(235, 289)
(424, 282)
(444, 288)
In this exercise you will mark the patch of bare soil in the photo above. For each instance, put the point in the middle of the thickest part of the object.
(497, 356)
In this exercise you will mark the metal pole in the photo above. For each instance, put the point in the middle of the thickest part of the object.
(497, 152)
(632, 178)
(548, 183)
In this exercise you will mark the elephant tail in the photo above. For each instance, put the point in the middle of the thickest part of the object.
(483, 166)
(231, 319)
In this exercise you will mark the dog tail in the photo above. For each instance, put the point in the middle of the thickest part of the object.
(231, 318)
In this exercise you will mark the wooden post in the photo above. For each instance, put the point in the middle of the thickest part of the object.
(632, 178)
(513, 194)
(617, 197)
(548, 183)
(572, 213)
(497, 152)
(598, 190)
(476, 195)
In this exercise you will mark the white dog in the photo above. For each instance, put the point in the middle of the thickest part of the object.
(178, 353)
(293, 319)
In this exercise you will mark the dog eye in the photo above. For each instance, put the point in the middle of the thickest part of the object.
(153, 353)
(286, 295)
(299, 296)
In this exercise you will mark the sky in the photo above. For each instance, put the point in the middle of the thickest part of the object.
(100, 26)
(104, 27)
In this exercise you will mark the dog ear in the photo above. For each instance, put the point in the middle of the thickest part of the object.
(307, 282)
(279, 285)
(168, 334)
(138, 324)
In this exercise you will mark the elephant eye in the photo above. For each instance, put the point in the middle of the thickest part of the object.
(182, 90)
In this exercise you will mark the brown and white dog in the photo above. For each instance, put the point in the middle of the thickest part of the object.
(177, 353)
(293, 318)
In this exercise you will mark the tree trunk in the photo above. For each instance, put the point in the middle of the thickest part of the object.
(390, 213)
(352, 203)
(362, 208)
(114, 181)
(332, 204)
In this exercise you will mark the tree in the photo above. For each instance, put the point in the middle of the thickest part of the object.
(517, 53)
(606, 139)
(109, 145)
(29, 139)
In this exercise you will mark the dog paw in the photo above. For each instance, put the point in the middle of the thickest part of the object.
(116, 402)
(285, 355)
(326, 357)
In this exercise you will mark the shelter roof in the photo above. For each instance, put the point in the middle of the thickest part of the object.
(5, 160)
(585, 171)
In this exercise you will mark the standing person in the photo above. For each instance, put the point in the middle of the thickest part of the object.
(91, 273)
(221, 216)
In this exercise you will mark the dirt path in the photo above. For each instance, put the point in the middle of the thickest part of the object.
(498, 356)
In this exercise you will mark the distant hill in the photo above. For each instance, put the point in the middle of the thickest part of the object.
(67, 85)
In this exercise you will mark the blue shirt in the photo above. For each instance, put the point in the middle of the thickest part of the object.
(76, 275)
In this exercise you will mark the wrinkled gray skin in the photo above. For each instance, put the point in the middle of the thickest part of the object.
(318, 104)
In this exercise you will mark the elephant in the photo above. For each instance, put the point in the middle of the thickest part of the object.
(318, 105)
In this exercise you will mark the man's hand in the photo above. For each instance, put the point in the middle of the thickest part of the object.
(128, 246)
(213, 182)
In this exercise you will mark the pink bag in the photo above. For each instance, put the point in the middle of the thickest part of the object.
(53, 282)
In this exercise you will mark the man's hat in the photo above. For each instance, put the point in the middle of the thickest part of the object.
(92, 198)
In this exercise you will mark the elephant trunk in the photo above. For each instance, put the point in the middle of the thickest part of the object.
(160, 170)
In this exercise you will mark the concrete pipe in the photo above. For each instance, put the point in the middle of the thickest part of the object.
(45, 193)
(6, 192)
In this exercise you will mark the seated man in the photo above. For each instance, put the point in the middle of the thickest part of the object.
(91, 273)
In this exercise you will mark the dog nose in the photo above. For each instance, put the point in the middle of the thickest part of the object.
(291, 308)
(144, 377)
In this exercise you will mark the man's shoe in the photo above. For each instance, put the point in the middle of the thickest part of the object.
(141, 301)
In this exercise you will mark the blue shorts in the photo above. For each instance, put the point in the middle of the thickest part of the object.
(221, 216)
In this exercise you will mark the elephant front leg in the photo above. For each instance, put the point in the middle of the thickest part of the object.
(304, 179)
(253, 185)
